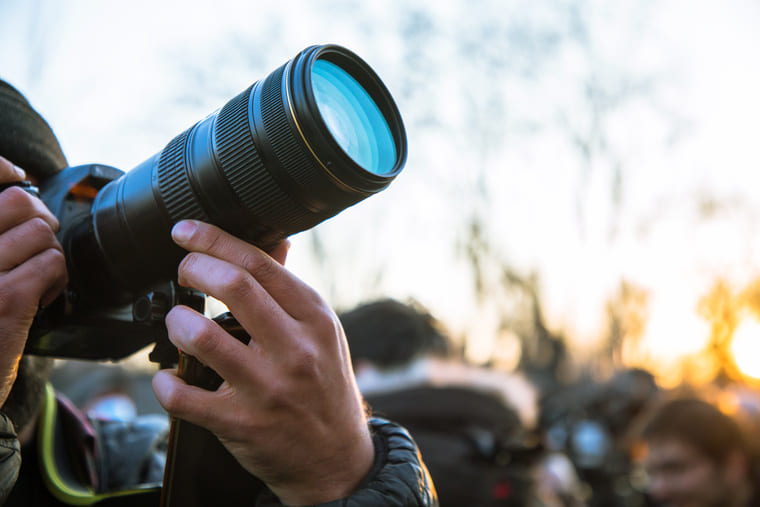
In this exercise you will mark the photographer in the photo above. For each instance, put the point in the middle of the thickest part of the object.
(289, 410)
(473, 424)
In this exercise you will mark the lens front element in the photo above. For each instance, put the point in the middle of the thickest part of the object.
(353, 118)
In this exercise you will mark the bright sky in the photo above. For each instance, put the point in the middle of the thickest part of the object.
(118, 83)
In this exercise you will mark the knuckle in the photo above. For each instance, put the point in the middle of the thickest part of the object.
(259, 264)
(265, 268)
(38, 227)
(324, 320)
(187, 266)
(305, 361)
(211, 239)
(237, 283)
(22, 288)
(250, 260)
(18, 198)
(276, 394)
(26, 206)
(202, 338)
(171, 398)
(55, 261)
(7, 172)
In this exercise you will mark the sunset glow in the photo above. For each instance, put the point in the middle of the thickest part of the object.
(746, 348)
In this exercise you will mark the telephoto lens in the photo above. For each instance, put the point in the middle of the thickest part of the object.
(315, 136)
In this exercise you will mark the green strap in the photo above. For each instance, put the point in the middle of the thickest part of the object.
(67, 492)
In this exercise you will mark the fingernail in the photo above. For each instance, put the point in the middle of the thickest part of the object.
(20, 172)
(183, 230)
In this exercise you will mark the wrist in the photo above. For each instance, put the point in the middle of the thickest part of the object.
(397, 475)
(349, 466)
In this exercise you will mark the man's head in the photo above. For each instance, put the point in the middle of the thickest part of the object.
(28, 141)
(696, 456)
(389, 334)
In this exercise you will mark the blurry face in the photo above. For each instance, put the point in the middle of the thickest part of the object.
(680, 476)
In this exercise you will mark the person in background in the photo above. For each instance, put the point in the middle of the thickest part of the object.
(473, 424)
(697, 456)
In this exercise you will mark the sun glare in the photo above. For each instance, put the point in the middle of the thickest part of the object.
(746, 347)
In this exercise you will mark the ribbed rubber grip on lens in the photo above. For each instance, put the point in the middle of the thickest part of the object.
(174, 182)
(241, 163)
(289, 147)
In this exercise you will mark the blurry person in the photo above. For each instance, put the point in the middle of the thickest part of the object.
(392, 344)
(472, 424)
(697, 457)
(590, 421)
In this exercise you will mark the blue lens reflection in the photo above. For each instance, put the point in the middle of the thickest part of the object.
(353, 118)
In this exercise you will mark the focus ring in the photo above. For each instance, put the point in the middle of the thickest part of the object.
(237, 152)
(243, 166)
(174, 184)
(291, 153)
(251, 181)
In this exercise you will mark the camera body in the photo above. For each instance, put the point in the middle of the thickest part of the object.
(96, 318)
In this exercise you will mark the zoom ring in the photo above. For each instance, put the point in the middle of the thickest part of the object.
(174, 183)
(247, 174)
(292, 154)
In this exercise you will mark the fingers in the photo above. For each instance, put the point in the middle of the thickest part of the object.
(190, 403)
(32, 266)
(18, 206)
(280, 251)
(290, 293)
(9, 172)
(249, 302)
(205, 340)
(25, 241)
(36, 281)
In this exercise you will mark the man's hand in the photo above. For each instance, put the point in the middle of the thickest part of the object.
(32, 269)
(289, 409)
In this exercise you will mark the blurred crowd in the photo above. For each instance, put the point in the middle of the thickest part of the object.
(491, 437)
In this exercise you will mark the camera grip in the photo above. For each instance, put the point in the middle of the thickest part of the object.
(198, 466)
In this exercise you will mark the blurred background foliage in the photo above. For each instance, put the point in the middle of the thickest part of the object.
(580, 190)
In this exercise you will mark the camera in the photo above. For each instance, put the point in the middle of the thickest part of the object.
(317, 135)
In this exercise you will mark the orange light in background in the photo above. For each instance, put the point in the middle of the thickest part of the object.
(728, 403)
(84, 190)
(745, 347)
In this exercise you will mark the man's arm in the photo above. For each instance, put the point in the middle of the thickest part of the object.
(32, 269)
(289, 409)
(32, 272)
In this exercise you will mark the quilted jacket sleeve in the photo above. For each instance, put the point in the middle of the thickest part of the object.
(10, 457)
(398, 477)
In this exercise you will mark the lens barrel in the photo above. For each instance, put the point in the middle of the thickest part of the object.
(263, 167)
